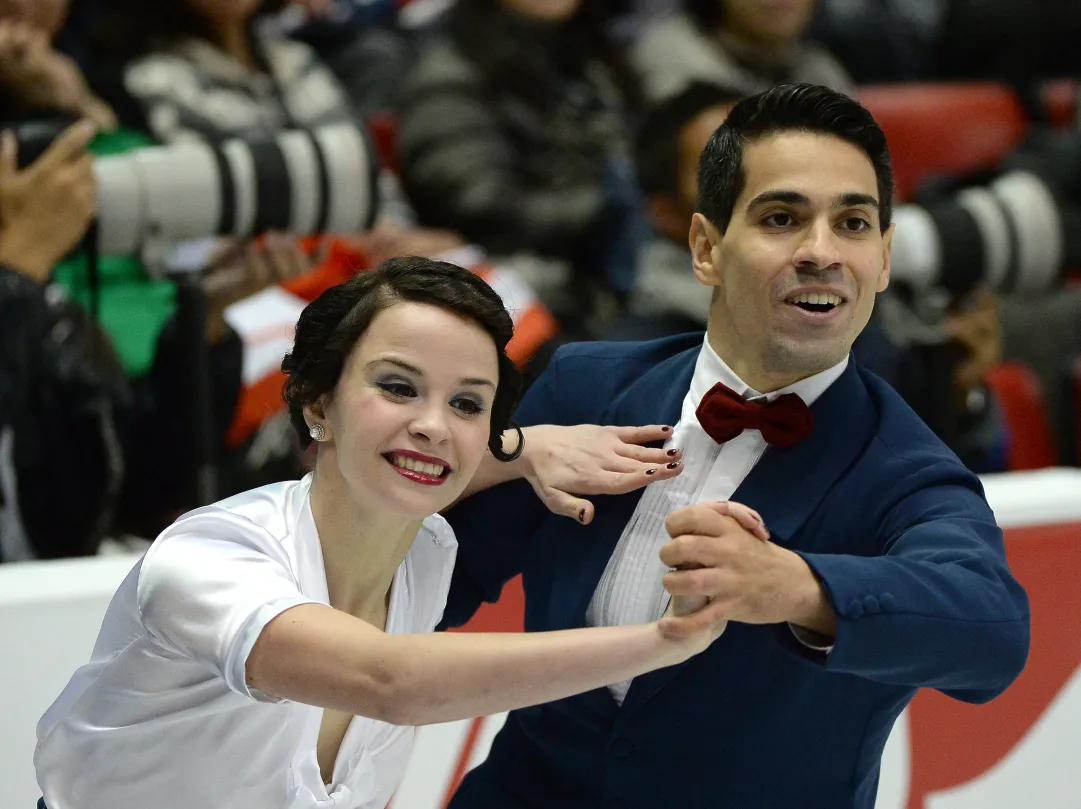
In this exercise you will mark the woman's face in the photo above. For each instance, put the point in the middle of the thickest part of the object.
(225, 11)
(47, 16)
(768, 22)
(409, 422)
(550, 10)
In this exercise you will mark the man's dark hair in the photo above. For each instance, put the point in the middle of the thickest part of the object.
(657, 149)
(331, 326)
(787, 108)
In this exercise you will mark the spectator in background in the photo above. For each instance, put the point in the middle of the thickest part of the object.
(35, 77)
(60, 387)
(669, 299)
(749, 45)
(202, 70)
(883, 40)
(513, 132)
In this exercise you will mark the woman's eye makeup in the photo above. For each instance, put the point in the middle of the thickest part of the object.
(468, 405)
(397, 387)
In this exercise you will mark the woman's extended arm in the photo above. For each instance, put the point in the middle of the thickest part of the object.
(320, 656)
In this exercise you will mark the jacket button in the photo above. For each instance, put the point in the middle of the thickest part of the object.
(621, 748)
(855, 609)
(887, 602)
(870, 605)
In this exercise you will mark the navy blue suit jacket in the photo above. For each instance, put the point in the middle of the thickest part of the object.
(894, 525)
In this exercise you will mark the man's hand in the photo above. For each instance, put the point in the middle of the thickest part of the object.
(45, 208)
(751, 521)
(564, 462)
(745, 578)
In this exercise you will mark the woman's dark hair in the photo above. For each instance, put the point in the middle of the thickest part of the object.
(787, 108)
(331, 325)
(128, 29)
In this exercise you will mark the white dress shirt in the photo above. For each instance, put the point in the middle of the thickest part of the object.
(162, 716)
(631, 590)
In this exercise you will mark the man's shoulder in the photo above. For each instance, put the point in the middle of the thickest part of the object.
(903, 443)
(614, 364)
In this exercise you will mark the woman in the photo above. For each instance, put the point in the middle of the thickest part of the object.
(270, 650)
(748, 45)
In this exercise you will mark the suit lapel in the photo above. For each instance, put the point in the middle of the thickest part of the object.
(786, 486)
(656, 398)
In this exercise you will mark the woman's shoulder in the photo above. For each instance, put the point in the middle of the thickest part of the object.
(261, 519)
(437, 531)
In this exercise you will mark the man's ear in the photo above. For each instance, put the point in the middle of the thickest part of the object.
(887, 247)
(703, 239)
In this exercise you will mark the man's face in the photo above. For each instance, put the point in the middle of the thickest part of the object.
(768, 22)
(796, 272)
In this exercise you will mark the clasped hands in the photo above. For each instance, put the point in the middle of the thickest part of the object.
(722, 563)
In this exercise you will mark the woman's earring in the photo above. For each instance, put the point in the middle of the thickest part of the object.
(318, 432)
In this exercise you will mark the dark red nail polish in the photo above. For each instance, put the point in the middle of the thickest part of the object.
(651, 471)
(666, 429)
(672, 452)
(674, 464)
(582, 515)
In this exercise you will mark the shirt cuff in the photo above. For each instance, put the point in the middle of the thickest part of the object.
(811, 639)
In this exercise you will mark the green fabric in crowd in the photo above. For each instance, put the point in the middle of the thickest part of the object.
(134, 306)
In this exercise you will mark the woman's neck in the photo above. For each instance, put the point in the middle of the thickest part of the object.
(232, 37)
(362, 546)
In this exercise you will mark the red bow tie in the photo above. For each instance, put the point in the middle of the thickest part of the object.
(724, 414)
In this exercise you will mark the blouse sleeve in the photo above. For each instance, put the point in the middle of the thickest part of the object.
(206, 591)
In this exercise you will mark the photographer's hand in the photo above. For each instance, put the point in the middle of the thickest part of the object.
(978, 330)
(45, 208)
(38, 74)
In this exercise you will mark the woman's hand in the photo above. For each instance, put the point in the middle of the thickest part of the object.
(562, 463)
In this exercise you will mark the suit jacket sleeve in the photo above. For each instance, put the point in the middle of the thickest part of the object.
(494, 527)
(940, 609)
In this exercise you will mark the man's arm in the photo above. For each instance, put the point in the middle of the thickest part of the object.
(938, 608)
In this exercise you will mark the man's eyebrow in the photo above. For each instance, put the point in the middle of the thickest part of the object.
(470, 381)
(849, 200)
(787, 197)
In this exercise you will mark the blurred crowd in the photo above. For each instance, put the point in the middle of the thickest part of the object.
(550, 144)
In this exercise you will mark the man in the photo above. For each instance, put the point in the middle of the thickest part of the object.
(885, 572)
(669, 300)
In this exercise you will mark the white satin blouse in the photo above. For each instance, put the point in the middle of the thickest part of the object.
(161, 716)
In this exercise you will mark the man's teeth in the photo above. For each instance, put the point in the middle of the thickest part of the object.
(817, 298)
(432, 469)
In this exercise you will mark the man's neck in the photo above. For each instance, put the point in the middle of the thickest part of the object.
(752, 373)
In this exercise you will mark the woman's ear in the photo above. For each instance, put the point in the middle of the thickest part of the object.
(315, 416)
